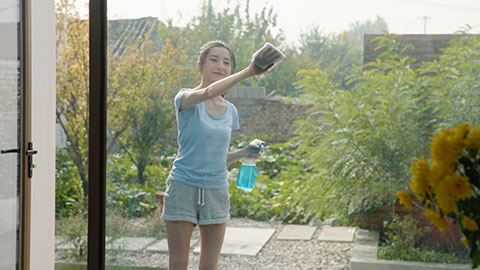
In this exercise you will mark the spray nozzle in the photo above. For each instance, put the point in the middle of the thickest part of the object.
(258, 145)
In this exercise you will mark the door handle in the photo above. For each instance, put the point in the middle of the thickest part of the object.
(8, 151)
(30, 152)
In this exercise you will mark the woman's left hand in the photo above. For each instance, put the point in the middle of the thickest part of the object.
(250, 153)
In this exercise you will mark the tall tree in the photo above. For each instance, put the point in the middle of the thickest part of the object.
(142, 85)
(357, 30)
(72, 84)
(333, 53)
(245, 32)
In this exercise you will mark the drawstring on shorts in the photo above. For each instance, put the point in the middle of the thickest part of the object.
(201, 196)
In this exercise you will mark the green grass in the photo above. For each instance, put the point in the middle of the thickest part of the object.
(72, 266)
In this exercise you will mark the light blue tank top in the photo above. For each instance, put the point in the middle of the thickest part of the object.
(203, 142)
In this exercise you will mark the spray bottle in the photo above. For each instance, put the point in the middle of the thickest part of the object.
(247, 174)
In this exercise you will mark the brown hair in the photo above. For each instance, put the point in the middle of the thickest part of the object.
(212, 44)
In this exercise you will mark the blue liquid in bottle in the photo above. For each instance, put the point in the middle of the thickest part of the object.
(247, 176)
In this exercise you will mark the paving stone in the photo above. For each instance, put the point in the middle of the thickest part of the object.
(337, 234)
(244, 241)
(161, 246)
(297, 232)
(131, 243)
(61, 243)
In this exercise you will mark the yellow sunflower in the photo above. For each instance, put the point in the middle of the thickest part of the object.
(437, 220)
(419, 183)
(460, 133)
(473, 138)
(437, 172)
(446, 147)
(445, 199)
(405, 198)
(465, 242)
(469, 224)
(458, 186)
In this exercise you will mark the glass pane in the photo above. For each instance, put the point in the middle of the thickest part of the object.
(71, 134)
(139, 120)
(9, 131)
(341, 118)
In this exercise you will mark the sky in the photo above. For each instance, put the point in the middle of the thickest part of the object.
(332, 16)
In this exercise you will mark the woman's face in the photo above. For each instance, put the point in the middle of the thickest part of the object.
(217, 65)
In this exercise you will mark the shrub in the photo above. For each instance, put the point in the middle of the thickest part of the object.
(68, 187)
(277, 193)
(73, 229)
(125, 196)
(402, 241)
(360, 141)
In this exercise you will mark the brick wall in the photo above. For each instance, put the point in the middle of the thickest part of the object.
(268, 116)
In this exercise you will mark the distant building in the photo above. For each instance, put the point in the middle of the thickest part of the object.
(425, 47)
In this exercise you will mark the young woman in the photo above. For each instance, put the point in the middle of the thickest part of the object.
(197, 188)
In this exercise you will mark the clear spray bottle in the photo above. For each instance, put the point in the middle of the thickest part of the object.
(247, 174)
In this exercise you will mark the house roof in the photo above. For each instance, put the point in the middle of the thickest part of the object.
(125, 32)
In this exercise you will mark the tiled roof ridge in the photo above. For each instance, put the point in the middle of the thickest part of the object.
(135, 31)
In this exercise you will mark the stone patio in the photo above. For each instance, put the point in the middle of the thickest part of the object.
(337, 234)
(297, 232)
(238, 241)
(243, 241)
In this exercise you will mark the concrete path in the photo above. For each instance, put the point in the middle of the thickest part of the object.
(161, 246)
(131, 243)
(297, 232)
(337, 234)
(243, 241)
(238, 241)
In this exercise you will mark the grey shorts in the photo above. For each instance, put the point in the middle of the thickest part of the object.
(197, 205)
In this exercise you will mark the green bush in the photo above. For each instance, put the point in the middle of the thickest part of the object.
(455, 82)
(68, 187)
(277, 193)
(73, 230)
(403, 239)
(361, 141)
(127, 198)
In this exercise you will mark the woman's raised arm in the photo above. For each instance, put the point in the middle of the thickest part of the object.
(220, 87)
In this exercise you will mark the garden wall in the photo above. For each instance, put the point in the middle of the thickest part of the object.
(266, 116)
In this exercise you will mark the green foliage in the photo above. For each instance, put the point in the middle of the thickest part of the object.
(73, 230)
(403, 242)
(245, 33)
(72, 77)
(133, 199)
(357, 30)
(142, 85)
(238, 29)
(68, 187)
(364, 138)
(148, 226)
(278, 192)
(455, 82)
(127, 198)
(334, 54)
